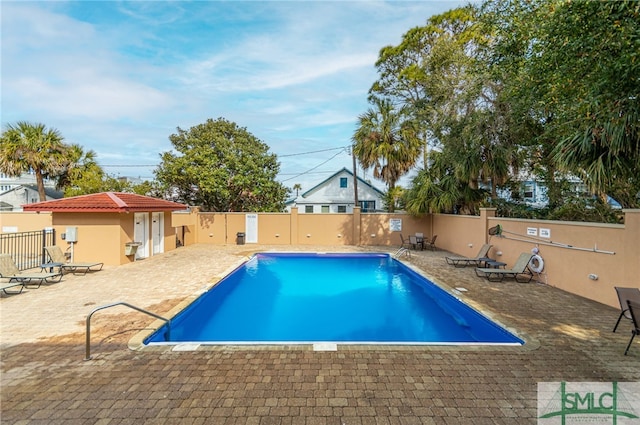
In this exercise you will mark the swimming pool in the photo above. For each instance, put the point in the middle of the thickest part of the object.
(338, 298)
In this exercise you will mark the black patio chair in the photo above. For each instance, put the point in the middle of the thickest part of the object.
(624, 295)
(634, 312)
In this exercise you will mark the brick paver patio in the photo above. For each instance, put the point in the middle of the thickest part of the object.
(45, 380)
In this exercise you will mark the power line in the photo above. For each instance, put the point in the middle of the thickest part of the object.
(311, 169)
(314, 172)
(308, 153)
(128, 165)
(279, 156)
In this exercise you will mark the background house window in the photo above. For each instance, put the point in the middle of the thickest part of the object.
(367, 206)
(343, 182)
(528, 191)
(325, 208)
(342, 208)
(308, 209)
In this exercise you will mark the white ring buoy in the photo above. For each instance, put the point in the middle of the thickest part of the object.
(536, 264)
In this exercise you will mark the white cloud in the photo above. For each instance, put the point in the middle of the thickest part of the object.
(99, 97)
(119, 77)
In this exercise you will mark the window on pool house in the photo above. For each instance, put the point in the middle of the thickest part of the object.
(308, 209)
(325, 208)
(342, 208)
(343, 182)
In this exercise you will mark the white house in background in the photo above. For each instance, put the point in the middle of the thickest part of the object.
(336, 195)
(26, 179)
(14, 198)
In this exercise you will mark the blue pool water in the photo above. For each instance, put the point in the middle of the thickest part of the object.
(356, 298)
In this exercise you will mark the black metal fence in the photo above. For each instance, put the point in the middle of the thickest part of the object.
(27, 248)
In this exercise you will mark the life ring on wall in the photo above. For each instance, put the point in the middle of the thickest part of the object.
(536, 264)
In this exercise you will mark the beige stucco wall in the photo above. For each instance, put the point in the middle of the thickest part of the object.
(576, 250)
(102, 237)
(565, 267)
(274, 229)
(25, 221)
(463, 234)
(375, 228)
(324, 229)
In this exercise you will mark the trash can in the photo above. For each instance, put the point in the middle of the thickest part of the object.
(240, 238)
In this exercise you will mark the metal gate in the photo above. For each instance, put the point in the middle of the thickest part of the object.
(27, 248)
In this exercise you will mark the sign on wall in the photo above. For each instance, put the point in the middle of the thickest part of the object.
(395, 224)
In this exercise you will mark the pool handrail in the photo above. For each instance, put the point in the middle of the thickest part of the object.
(88, 322)
(402, 251)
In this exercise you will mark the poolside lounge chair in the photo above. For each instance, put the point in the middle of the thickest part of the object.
(9, 270)
(466, 261)
(624, 295)
(4, 286)
(57, 256)
(634, 312)
(520, 271)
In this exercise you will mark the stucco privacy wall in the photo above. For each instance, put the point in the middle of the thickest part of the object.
(301, 229)
(375, 228)
(574, 251)
(565, 267)
(24, 221)
(101, 237)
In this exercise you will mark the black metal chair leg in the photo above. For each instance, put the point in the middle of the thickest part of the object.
(633, 335)
(618, 322)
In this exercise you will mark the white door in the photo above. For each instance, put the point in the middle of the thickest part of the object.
(157, 232)
(251, 226)
(141, 234)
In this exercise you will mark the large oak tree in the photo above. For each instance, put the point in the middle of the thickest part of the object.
(220, 166)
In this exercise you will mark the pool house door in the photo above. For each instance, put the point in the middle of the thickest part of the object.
(141, 234)
(251, 226)
(157, 232)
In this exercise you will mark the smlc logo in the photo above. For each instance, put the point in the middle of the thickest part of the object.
(601, 403)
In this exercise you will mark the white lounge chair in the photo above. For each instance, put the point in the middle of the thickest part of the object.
(9, 270)
(520, 271)
(57, 257)
(466, 261)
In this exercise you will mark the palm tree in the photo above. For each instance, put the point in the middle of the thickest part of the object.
(81, 173)
(297, 187)
(28, 147)
(388, 141)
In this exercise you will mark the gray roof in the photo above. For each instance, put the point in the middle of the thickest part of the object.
(344, 169)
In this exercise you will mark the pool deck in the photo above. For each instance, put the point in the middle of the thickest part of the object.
(44, 378)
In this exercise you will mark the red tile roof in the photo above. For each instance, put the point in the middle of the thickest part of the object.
(106, 202)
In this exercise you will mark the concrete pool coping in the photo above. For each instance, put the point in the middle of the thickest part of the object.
(137, 342)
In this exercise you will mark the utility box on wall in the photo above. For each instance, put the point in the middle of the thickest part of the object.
(71, 234)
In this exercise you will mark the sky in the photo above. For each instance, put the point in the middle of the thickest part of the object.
(120, 77)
